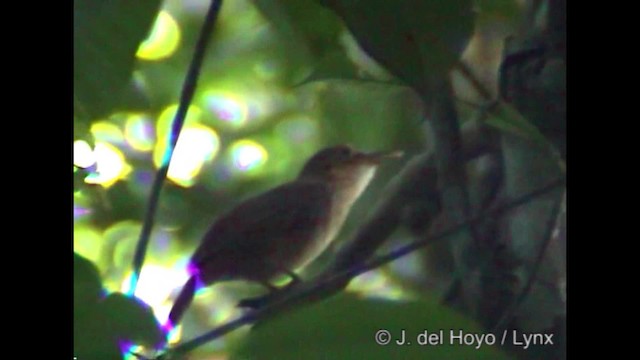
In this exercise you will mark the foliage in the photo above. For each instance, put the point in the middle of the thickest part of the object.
(281, 79)
(106, 38)
(105, 325)
(346, 327)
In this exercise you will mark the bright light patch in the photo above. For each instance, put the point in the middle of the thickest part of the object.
(163, 129)
(82, 154)
(196, 146)
(79, 211)
(166, 117)
(155, 287)
(108, 132)
(376, 284)
(139, 133)
(86, 242)
(111, 165)
(411, 267)
(227, 108)
(248, 155)
(163, 40)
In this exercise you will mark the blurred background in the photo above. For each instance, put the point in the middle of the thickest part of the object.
(280, 81)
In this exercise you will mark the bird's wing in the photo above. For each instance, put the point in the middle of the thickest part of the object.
(278, 220)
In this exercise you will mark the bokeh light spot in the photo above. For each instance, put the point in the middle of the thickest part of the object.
(376, 284)
(111, 165)
(163, 129)
(196, 146)
(248, 155)
(87, 242)
(227, 108)
(139, 133)
(166, 117)
(79, 211)
(163, 40)
(107, 132)
(83, 154)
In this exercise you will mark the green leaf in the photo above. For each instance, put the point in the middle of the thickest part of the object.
(507, 118)
(113, 324)
(308, 31)
(102, 326)
(87, 284)
(492, 10)
(415, 40)
(132, 319)
(368, 115)
(303, 20)
(93, 339)
(335, 65)
(345, 327)
(106, 36)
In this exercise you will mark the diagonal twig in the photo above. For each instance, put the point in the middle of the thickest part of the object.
(188, 90)
(510, 311)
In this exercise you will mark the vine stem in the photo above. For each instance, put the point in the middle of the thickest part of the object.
(510, 311)
(186, 96)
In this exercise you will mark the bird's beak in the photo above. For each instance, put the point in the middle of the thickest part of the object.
(375, 158)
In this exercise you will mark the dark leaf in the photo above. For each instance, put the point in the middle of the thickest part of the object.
(414, 39)
(303, 21)
(335, 65)
(132, 319)
(102, 327)
(308, 30)
(93, 338)
(87, 284)
(508, 119)
(492, 10)
(368, 115)
(345, 327)
(106, 35)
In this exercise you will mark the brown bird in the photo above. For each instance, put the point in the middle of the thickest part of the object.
(283, 229)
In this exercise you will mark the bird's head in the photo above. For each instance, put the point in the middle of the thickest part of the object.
(344, 166)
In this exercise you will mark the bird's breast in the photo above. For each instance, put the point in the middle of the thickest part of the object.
(344, 196)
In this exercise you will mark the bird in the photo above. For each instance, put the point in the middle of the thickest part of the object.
(283, 229)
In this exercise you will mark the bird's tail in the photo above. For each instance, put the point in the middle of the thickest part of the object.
(182, 302)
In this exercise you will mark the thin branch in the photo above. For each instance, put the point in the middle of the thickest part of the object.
(188, 90)
(452, 181)
(326, 285)
(465, 70)
(499, 108)
(508, 314)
